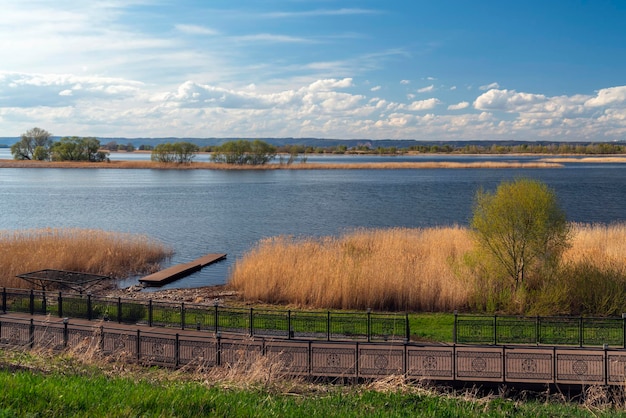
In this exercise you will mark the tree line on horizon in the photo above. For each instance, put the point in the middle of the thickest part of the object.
(37, 144)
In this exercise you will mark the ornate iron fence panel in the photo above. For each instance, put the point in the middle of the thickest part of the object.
(165, 315)
(616, 367)
(435, 363)
(83, 339)
(475, 330)
(516, 330)
(200, 318)
(291, 357)
(580, 366)
(106, 309)
(559, 331)
(377, 361)
(158, 349)
(239, 353)
(17, 301)
(309, 325)
(600, 331)
(133, 312)
(390, 327)
(120, 343)
(479, 363)
(48, 337)
(351, 325)
(200, 351)
(75, 307)
(233, 320)
(269, 323)
(529, 365)
(334, 359)
(14, 334)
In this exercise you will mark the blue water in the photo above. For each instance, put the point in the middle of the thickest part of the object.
(200, 211)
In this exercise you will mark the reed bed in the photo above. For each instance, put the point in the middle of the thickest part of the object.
(395, 269)
(427, 270)
(297, 166)
(117, 255)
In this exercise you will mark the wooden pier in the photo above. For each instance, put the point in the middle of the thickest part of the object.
(180, 270)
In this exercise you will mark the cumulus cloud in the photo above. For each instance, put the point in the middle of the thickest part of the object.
(426, 89)
(405, 82)
(507, 100)
(375, 88)
(490, 86)
(459, 106)
(609, 96)
(423, 104)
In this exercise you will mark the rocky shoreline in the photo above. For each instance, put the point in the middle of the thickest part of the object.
(197, 295)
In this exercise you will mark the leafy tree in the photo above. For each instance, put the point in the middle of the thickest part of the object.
(243, 152)
(76, 148)
(177, 152)
(30, 141)
(521, 226)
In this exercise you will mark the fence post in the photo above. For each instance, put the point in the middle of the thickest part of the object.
(495, 329)
(65, 332)
(328, 326)
(138, 345)
(407, 326)
(218, 351)
(32, 302)
(369, 325)
(44, 305)
(455, 329)
(537, 330)
(177, 352)
(289, 330)
(624, 330)
(150, 312)
(119, 310)
(251, 319)
(4, 299)
(216, 317)
(89, 310)
(60, 303)
(182, 317)
(580, 331)
(31, 334)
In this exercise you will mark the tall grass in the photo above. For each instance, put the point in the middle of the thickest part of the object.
(113, 254)
(396, 269)
(431, 269)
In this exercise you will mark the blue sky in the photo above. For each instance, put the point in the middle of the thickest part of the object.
(426, 70)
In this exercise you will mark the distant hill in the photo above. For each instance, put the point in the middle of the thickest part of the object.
(312, 142)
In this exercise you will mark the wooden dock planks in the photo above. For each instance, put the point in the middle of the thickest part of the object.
(180, 270)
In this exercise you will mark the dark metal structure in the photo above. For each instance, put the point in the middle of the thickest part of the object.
(62, 279)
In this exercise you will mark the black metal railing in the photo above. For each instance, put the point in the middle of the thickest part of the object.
(367, 326)
(540, 330)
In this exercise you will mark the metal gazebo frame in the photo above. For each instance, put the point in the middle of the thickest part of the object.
(63, 279)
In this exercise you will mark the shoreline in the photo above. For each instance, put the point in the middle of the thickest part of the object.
(151, 165)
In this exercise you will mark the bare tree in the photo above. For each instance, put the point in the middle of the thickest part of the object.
(34, 144)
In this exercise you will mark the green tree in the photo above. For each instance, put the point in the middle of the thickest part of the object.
(30, 141)
(177, 152)
(76, 148)
(521, 226)
(242, 152)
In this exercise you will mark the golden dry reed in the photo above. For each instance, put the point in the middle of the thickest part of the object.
(112, 254)
(397, 269)
(297, 166)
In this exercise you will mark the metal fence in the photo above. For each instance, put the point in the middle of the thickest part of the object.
(313, 358)
(575, 331)
(367, 326)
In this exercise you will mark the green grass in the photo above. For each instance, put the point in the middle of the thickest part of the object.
(91, 393)
(432, 327)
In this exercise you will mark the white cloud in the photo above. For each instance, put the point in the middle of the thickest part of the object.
(375, 88)
(490, 86)
(423, 104)
(405, 82)
(195, 29)
(426, 89)
(605, 97)
(459, 106)
(507, 100)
